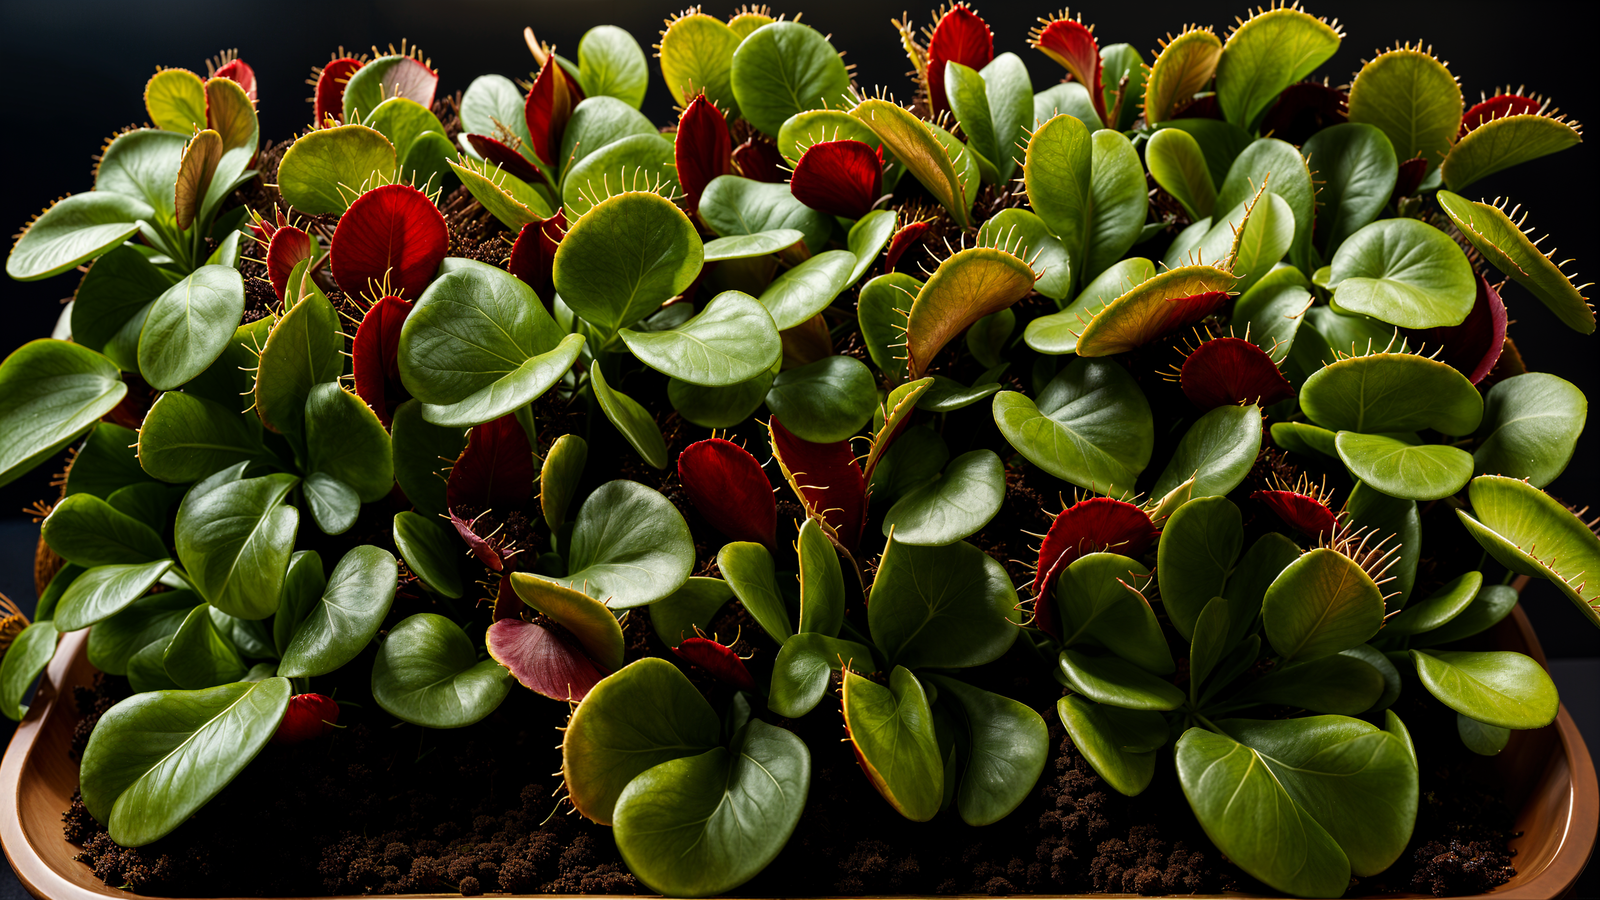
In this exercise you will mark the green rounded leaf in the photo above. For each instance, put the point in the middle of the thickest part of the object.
(947, 607)
(821, 581)
(1024, 235)
(881, 309)
(28, 655)
(303, 585)
(1391, 393)
(804, 668)
(1403, 272)
(746, 246)
(731, 341)
(1217, 452)
(155, 759)
(692, 606)
(1531, 424)
(1091, 426)
(629, 546)
(957, 503)
(1114, 681)
(1503, 142)
(1120, 744)
(185, 438)
(76, 229)
(427, 673)
(198, 656)
(624, 258)
(732, 206)
(1341, 684)
(721, 407)
(1500, 688)
(1403, 469)
(1531, 533)
(1504, 244)
(1440, 608)
(1098, 598)
(1058, 176)
(751, 574)
(305, 348)
(346, 440)
(1321, 604)
(1484, 740)
(631, 419)
(91, 532)
(696, 54)
(1267, 53)
(826, 401)
(1266, 161)
(1199, 545)
(610, 64)
(423, 453)
(1357, 167)
(892, 729)
(1118, 202)
(104, 591)
(808, 289)
(636, 162)
(51, 392)
(357, 597)
(148, 620)
(1178, 165)
(785, 68)
(234, 539)
(868, 237)
(327, 169)
(429, 553)
(1413, 98)
(1009, 746)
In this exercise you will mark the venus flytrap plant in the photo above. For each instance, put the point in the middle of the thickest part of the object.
(499, 392)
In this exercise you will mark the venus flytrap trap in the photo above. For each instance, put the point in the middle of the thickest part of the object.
(413, 408)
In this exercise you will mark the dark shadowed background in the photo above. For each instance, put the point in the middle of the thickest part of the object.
(76, 72)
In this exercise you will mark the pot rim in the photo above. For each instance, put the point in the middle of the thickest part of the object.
(47, 725)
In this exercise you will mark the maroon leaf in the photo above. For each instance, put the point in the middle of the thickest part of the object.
(827, 480)
(377, 357)
(703, 150)
(506, 158)
(392, 237)
(1182, 311)
(1071, 43)
(758, 159)
(533, 255)
(288, 246)
(240, 72)
(1474, 346)
(1305, 512)
(1203, 107)
(308, 716)
(724, 664)
(548, 108)
(1088, 526)
(1227, 371)
(496, 468)
(907, 237)
(1498, 107)
(329, 101)
(1303, 109)
(730, 489)
(410, 79)
(479, 547)
(840, 178)
(960, 36)
(1410, 177)
(544, 661)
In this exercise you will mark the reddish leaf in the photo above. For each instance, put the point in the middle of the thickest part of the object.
(907, 237)
(533, 255)
(507, 605)
(1474, 346)
(329, 101)
(1182, 311)
(410, 79)
(548, 108)
(544, 661)
(1302, 511)
(1410, 178)
(1071, 43)
(703, 150)
(240, 72)
(288, 246)
(1226, 371)
(503, 156)
(961, 37)
(308, 716)
(730, 489)
(758, 159)
(377, 357)
(1303, 109)
(840, 178)
(1498, 107)
(828, 480)
(1088, 526)
(392, 235)
(495, 470)
(724, 664)
(479, 547)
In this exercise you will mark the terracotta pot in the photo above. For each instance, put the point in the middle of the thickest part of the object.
(1547, 776)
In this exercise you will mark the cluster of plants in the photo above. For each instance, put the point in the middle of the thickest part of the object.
(1249, 322)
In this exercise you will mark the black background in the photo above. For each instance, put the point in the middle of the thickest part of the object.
(75, 71)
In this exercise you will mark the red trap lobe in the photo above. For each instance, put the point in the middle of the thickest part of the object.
(730, 489)
(960, 36)
(392, 235)
(1227, 371)
(840, 178)
(724, 664)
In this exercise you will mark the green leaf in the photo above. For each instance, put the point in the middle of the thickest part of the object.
(751, 574)
(1405, 470)
(1199, 545)
(1058, 333)
(624, 258)
(701, 825)
(76, 229)
(304, 349)
(747, 246)
(949, 607)
(1273, 309)
(957, 503)
(1009, 91)
(1390, 518)
(917, 146)
(429, 553)
(1413, 98)
(1321, 604)
(327, 169)
(731, 341)
(1098, 597)
(1222, 143)
(808, 289)
(643, 715)
(1217, 452)
(1303, 803)
(1120, 744)
(117, 289)
(1267, 53)
(508, 198)
(782, 69)
(143, 164)
(1403, 272)
(637, 162)
(882, 309)
(492, 101)
(1499, 688)
(1357, 167)
(696, 54)
(104, 591)
(632, 420)
(1531, 425)
(1482, 739)
(357, 597)
(1210, 643)
(1531, 533)
(185, 438)
(1009, 743)
(969, 103)
(427, 673)
(1182, 69)
(629, 546)
(1114, 681)
(422, 451)
(892, 729)
(1247, 584)
(1339, 684)
(692, 606)
(1504, 244)
(346, 440)
(1071, 98)
(1493, 603)
(804, 668)
(148, 620)
(1119, 61)
(1024, 235)
(1392, 393)
(610, 64)
(1178, 165)
(176, 100)
(91, 532)
(155, 759)
(821, 581)
(1504, 142)
(1279, 166)
(723, 407)
(826, 401)
(303, 585)
(1441, 607)
(404, 122)
(1118, 203)
(198, 656)
(587, 619)
(234, 539)
(1091, 426)
(1146, 312)
(24, 660)
(867, 238)
(1058, 176)
(230, 381)
(733, 206)
(967, 286)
